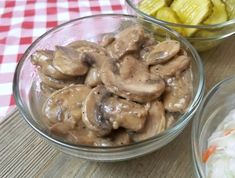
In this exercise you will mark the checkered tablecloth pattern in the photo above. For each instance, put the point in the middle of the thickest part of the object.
(22, 21)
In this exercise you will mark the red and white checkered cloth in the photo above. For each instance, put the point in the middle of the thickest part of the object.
(22, 21)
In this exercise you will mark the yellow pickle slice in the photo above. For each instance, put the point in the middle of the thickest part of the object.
(191, 12)
(167, 14)
(219, 14)
(150, 7)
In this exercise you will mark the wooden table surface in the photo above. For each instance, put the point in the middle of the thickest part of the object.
(24, 154)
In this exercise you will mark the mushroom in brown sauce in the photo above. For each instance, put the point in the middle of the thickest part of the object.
(107, 40)
(93, 77)
(128, 40)
(70, 62)
(117, 138)
(63, 107)
(131, 79)
(171, 68)
(162, 52)
(102, 112)
(179, 94)
(124, 113)
(87, 46)
(43, 59)
(46, 90)
(92, 114)
(57, 84)
(155, 122)
(131, 87)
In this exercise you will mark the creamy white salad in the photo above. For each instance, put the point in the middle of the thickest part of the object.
(220, 154)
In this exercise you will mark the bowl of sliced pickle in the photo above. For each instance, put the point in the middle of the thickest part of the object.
(205, 23)
(109, 92)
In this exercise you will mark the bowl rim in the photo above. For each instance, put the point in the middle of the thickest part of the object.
(195, 136)
(162, 22)
(183, 119)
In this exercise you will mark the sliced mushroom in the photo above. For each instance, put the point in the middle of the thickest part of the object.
(44, 58)
(95, 59)
(121, 137)
(107, 40)
(182, 52)
(128, 40)
(155, 123)
(92, 114)
(76, 135)
(162, 52)
(46, 90)
(93, 77)
(58, 84)
(130, 79)
(140, 88)
(117, 138)
(172, 68)
(170, 119)
(179, 93)
(148, 45)
(40, 56)
(131, 68)
(149, 41)
(125, 114)
(70, 62)
(64, 107)
(59, 129)
(145, 52)
(81, 135)
(86, 46)
(102, 113)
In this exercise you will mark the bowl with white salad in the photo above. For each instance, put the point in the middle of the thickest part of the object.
(213, 134)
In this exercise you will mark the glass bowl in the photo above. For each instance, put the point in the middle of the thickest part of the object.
(212, 34)
(93, 28)
(215, 106)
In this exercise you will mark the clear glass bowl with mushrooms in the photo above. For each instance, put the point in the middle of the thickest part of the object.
(110, 91)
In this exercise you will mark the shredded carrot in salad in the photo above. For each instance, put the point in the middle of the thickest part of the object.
(209, 151)
(229, 131)
(219, 157)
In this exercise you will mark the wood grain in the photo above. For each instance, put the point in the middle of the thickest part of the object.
(24, 154)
